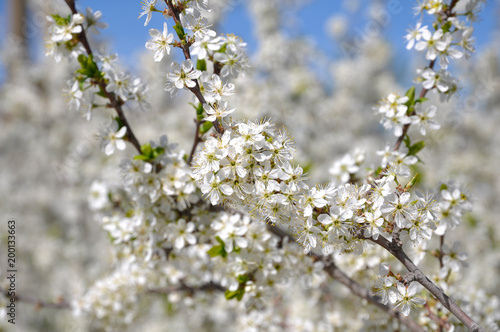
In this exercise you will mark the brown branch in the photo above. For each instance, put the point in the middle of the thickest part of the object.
(175, 13)
(440, 254)
(406, 127)
(447, 13)
(185, 288)
(114, 101)
(450, 8)
(420, 277)
(197, 140)
(340, 276)
(363, 293)
(358, 290)
(60, 304)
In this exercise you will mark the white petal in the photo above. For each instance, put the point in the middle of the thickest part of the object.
(120, 144)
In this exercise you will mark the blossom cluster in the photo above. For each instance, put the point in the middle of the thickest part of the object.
(390, 290)
(167, 239)
(166, 236)
(99, 73)
(226, 52)
(63, 33)
(251, 166)
(449, 38)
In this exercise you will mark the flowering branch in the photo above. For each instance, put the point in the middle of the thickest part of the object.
(363, 293)
(447, 13)
(114, 101)
(406, 127)
(249, 165)
(174, 11)
(420, 277)
(336, 273)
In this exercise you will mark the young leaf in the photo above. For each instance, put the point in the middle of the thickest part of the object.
(206, 127)
(412, 182)
(421, 100)
(180, 31)
(410, 94)
(218, 250)
(238, 294)
(415, 148)
(407, 141)
(446, 27)
(242, 278)
(201, 65)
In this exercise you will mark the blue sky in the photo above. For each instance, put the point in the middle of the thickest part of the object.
(127, 34)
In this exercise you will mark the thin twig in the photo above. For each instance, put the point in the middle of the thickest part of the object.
(185, 288)
(421, 278)
(363, 293)
(406, 127)
(114, 102)
(197, 140)
(448, 13)
(60, 304)
(185, 49)
(358, 290)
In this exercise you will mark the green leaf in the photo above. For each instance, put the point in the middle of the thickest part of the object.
(242, 278)
(411, 101)
(206, 126)
(238, 294)
(407, 141)
(201, 65)
(198, 108)
(421, 100)
(148, 153)
(91, 65)
(199, 111)
(446, 27)
(141, 157)
(218, 250)
(180, 31)
(85, 72)
(410, 94)
(61, 20)
(88, 67)
(158, 151)
(415, 148)
(222, 49)
(443, 187)
(413, 181)
(82, 59)
(146, 149)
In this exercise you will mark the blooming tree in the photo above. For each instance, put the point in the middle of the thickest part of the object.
(234, 222)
